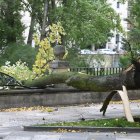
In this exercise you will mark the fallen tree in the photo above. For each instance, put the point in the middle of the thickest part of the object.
(44, 81)
(130, 78)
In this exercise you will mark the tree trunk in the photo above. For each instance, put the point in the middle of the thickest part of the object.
(95, 83)
(106, 83)
(31, 30)
(54, 78)
(129, 78)
(10, 21)
(44, 20)
(53, 4)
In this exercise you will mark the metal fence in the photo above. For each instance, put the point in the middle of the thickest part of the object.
(97, 71)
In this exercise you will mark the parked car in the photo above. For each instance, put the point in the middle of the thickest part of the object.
(86, 51)
(105, 51)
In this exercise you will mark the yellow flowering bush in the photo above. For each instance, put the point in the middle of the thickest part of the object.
(45, 52)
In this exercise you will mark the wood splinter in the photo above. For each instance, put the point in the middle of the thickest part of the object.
(125, 101)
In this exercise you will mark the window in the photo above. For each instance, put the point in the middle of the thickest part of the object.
(118, 4)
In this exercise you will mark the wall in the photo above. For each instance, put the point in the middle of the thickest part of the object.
(103, 60)
(54, 97)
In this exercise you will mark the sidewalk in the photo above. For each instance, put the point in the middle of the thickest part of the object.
(11, 123)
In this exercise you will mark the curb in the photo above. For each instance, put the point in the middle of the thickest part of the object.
(83, 129)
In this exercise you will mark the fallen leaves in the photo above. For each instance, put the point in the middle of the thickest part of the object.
(120, 102)
(40, 108)
(66, 130)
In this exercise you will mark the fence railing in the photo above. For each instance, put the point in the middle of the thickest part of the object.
(97, 71)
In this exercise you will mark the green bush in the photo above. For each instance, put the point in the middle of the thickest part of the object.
(125, 61)
(74, 59)
(19, 70)
(16, 52)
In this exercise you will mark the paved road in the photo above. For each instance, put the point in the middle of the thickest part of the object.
(12, 123)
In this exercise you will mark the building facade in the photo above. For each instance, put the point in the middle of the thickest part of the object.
(122, 10)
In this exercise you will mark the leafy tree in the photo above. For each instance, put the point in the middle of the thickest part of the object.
(132, 43)
(34, 7)
(11, 27)
(45, 52)
(86, 22)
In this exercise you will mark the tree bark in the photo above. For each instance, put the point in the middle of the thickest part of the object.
(31, 31)
(9, 14)
(125, 100)
(129, 78)
(44, 20)
(43, 82)
(53, 4)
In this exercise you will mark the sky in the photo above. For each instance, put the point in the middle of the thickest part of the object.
(26, 21)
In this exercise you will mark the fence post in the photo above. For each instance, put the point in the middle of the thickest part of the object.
(97, 71)
(102, 70)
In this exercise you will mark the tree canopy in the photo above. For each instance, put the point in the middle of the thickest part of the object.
(86, 22)
(11, 27)
(134, 27)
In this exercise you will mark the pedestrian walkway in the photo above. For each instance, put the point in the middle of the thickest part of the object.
(11, 123)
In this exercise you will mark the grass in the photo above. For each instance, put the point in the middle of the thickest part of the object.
(122, 122)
